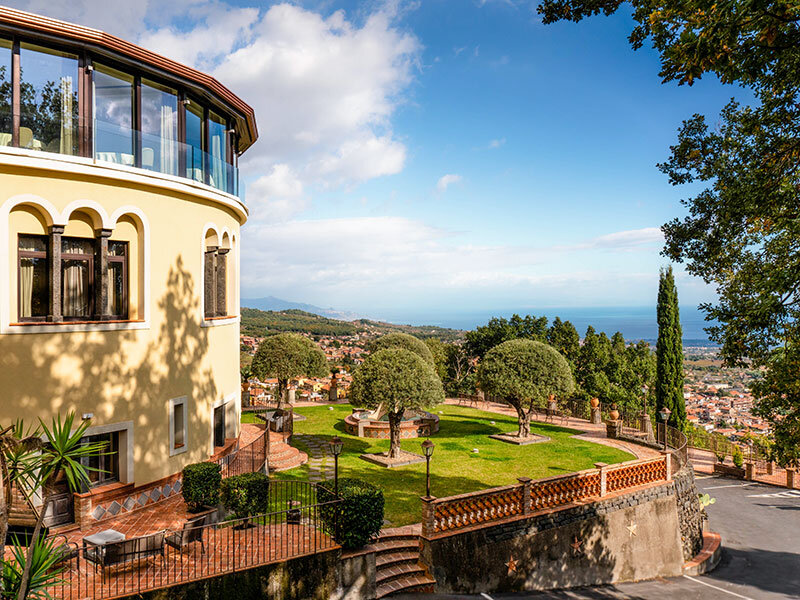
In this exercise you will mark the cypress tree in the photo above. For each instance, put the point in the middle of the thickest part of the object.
(669, 352)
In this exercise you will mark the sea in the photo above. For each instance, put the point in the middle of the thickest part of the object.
(634, 322)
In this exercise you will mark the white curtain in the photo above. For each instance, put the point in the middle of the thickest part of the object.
(26, 287)
(113, 300)
(169, 137)
(66, 145)
(217, 163)
(74, 290)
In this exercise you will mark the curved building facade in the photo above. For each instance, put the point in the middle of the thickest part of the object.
(120, 218)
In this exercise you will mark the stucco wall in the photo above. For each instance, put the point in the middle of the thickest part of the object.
(625, 538)
(132, 373)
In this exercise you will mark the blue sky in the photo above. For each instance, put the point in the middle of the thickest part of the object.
(453, 155)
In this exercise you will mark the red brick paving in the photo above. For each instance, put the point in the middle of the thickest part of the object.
(226, 550)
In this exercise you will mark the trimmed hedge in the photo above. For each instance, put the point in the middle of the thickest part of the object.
(246, 495)
(359, 515)
(201, 483)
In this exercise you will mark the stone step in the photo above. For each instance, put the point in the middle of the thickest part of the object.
(383, 546)
(284, 452)
(387, 559)
(397, 571)
(408, 584)
(295, 460)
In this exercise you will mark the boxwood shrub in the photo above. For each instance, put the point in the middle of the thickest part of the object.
(201, 485)
(246, 495)
(359, 515)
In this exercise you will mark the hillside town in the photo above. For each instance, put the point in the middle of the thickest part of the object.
(718, 399)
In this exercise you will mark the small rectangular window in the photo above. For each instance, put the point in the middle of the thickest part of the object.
(34, 278)
(178, 420)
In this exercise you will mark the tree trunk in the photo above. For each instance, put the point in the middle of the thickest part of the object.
(524, 422)
(26, 573)
(394, 433)
(282, 386)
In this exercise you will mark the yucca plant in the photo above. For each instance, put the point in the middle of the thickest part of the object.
(61, 453)
(44, 572)
(16, 443)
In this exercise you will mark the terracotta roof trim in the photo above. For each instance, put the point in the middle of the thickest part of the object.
(87, 35)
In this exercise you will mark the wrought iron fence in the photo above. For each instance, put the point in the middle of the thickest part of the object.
(251, 458)
(168, 558)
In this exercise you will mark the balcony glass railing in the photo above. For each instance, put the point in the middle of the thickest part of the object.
(114, 143)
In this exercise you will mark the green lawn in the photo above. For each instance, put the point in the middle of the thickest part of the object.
(455, 469)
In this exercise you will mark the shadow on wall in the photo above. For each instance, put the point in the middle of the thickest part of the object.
(572, 556)
(120, 375)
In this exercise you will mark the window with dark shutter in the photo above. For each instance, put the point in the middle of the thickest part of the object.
(210, 286)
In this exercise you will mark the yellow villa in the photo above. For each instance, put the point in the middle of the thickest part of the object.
(120, 215)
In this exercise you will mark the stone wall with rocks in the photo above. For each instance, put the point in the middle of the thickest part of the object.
(644, 534)
(322, 576)
(690, 515)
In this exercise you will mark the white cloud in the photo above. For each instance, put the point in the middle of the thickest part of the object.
(277, 196)
(629, 239)
(353, 262)
(324, 91)
(494, 144)
(324, 88)
(447, 180)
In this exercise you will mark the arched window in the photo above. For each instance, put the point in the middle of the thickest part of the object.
(215, 275)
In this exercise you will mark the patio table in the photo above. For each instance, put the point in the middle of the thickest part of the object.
(103, 537)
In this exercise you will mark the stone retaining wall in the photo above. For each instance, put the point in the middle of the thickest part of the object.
(323, 576)
(643, 534)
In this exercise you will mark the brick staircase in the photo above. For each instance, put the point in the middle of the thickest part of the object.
(282, 457)
(398, 570)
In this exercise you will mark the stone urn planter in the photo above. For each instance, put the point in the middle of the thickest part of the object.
(614, 413)
(594, 402)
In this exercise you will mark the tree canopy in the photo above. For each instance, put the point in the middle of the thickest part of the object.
(669, 352)
(525, 373)
(403, 340)
(499, 330)
(742, 229)
(400, 380)
(288, 355)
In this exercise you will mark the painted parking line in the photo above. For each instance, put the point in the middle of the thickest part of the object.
(487, 596)
(786, 494)
(717, 588)
(736, 485)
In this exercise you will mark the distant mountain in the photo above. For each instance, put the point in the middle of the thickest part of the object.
(277, 304)
(258, 323)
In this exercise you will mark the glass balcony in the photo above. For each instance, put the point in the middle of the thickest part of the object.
(116, 143)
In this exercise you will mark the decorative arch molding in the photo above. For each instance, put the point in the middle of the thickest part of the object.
(53, 217)
(144, 224)
(95, 210)
(219, 233)
(48, 210)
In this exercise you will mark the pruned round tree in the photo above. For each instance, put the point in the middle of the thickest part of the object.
(288, 355)
(403, 340)
(524, 373)
(399, 380)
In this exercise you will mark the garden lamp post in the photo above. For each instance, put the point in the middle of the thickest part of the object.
(664, 413)
(427, 449)
(644, 394)
(336, 449)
